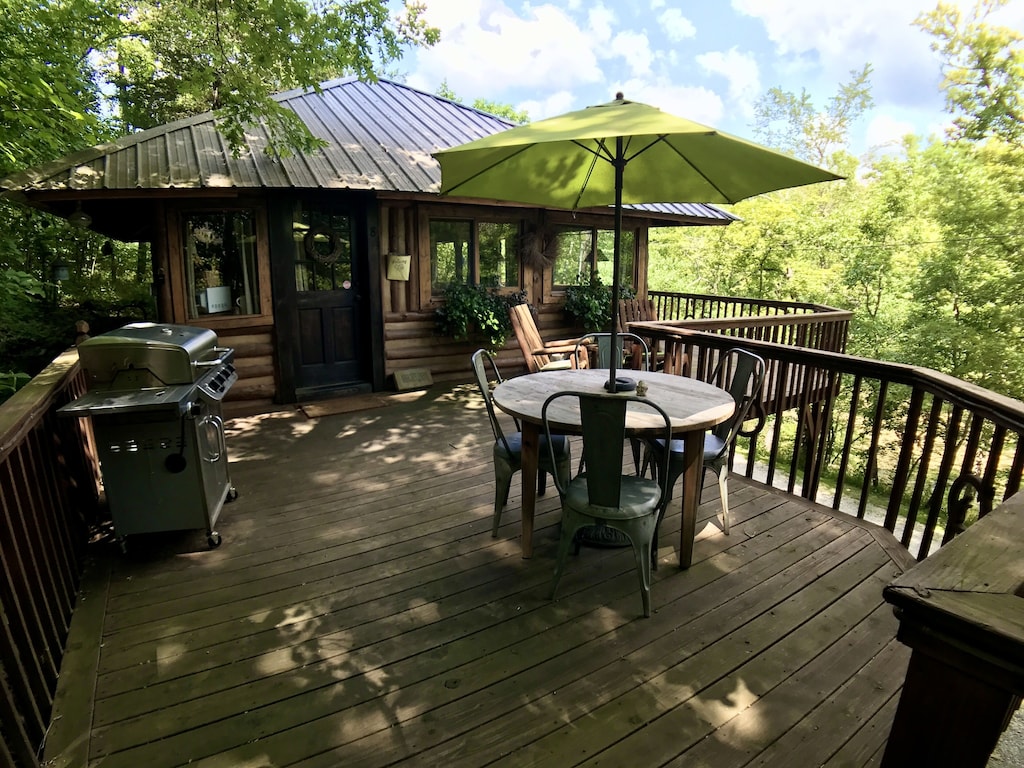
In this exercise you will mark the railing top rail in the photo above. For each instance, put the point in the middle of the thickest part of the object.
(713, 298)
(750, 321)
(1003, 410)
(25, 407)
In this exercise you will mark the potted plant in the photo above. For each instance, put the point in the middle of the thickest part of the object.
(589, 303)
(472, 312)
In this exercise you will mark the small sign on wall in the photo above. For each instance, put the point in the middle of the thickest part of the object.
(398, 266)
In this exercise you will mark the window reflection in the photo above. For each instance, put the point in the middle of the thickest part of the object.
(323, 249)
(221, 264)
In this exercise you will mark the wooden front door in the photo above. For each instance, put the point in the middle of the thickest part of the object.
(330, 306)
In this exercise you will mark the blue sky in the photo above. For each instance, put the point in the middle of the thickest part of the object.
(708, 61)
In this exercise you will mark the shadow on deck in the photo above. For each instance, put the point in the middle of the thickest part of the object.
(360, 614)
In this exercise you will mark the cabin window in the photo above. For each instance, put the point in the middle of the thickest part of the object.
(583, 250)
(473, 252)
(221, 265)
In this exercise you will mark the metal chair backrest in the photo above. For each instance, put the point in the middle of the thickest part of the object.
(603, 341)
(602, 418)
(481, 359)
(748, 373)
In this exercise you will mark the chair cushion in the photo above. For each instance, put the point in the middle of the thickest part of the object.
(515, 444)
(712, 446)
(638, 497)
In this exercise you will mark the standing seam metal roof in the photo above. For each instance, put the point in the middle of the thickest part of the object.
(380, 137)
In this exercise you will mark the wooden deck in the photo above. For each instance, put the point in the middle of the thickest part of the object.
(359, 613)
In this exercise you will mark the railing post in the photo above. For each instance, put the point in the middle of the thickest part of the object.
(961, 613)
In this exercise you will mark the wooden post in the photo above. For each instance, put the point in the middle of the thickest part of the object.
(961, 612)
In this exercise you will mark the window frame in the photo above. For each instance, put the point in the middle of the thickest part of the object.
(177, 266)
(432, 295)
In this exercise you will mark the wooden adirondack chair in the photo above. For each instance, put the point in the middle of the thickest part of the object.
(634, 310)
(540, 355)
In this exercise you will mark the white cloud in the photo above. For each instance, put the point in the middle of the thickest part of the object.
(600, 24)
(676, 26)
(635, 49)
(698, 104)
(885, 131)
(741, 72)
(485, 47)
(555, 104)
(837, 38)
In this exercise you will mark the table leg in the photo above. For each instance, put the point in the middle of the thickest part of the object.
(531, 445)
(693, 457)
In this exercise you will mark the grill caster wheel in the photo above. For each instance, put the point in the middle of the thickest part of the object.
(213, 540)
(232, 494)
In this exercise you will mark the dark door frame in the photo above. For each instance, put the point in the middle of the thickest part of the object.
(364, 209)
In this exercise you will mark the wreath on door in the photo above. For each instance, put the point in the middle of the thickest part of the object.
(318, 235)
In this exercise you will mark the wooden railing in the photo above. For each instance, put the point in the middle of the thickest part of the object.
(912, 449)
(49, 481)
(702, 306)
(781, 322)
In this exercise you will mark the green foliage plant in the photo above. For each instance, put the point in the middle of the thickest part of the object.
(472, 312)
(11, 382)
(589, 303)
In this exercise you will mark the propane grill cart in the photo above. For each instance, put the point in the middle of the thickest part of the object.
(154, 398)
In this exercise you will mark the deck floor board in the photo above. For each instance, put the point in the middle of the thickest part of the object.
(359, 613)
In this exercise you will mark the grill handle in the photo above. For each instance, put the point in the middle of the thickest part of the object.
(213, 453)
(223, 355)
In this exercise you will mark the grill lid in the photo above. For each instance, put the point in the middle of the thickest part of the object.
(145, 355)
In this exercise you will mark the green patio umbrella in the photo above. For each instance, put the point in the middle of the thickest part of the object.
(622, 152)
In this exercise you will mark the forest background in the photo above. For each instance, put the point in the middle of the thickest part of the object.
(923, 241)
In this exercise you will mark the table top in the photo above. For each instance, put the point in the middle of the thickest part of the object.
(690, 404)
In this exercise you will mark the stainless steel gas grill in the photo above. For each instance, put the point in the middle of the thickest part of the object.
(154, 398)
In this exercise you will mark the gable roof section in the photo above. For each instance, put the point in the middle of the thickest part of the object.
(380, 137)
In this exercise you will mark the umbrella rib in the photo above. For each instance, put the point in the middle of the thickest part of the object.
(697, 170)
(597, 153)
(482, 171)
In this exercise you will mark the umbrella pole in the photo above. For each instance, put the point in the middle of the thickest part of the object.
(617, 384)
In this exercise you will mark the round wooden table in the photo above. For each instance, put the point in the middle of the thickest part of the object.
(692, 406)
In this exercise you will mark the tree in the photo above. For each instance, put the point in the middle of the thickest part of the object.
(983, 66)
(507, 111)
(182, 57)
(792, 123)
(50, 101)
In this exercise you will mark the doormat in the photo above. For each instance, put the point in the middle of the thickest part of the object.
(342, 405)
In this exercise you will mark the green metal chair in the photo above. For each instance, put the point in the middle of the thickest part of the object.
(602, 495)
(747, 372)
(603, 342)
(508, 448)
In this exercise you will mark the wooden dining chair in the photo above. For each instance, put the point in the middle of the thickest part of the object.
(508, 448)
(602, 495)
(540, 355)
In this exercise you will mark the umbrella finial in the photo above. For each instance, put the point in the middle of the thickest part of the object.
(619, 96)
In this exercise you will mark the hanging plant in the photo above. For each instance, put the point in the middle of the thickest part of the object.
(474, 313)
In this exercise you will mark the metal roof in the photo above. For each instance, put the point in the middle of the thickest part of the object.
(380, 136)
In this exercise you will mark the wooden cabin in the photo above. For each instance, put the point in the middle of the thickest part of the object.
(323, 270)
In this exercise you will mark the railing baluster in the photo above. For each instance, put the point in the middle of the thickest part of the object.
(920, 485)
